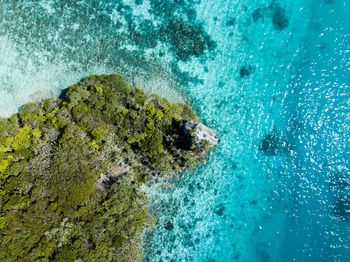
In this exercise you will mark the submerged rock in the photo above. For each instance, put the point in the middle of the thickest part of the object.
(270, 144)
(169, 226)
(71, 170)
(342, 208)
(219, 210)
(246, 71)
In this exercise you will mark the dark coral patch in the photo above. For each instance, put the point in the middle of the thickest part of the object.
(169, 226)
(270, 144)
(258, 14)
(187, 40)
(279, 18)
(339, 181)
(342, 208)
(231, 22)
(219, 210)
(145, 40)
(246, 71)
(274, 11)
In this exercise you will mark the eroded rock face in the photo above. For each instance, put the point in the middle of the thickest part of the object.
(71, 170)
(200, 135)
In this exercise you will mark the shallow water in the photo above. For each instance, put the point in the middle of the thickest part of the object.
(271, 77)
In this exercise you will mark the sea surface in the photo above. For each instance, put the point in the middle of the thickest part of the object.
(270, 77)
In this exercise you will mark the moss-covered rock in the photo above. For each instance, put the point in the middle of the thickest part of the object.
(71, 170)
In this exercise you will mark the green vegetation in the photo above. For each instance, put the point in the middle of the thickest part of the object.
(71, 170)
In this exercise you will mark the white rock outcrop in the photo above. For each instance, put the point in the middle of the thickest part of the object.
(200, 133)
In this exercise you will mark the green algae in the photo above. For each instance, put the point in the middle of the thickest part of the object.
(71, 171)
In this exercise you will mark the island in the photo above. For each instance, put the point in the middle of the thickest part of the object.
(72, 170)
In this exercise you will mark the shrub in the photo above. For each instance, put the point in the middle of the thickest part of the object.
(71, 171)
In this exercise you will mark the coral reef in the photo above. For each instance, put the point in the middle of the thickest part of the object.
(342, 208)
(246, 71)
(187, 40)
(71, 170)
(270, 144)
(278, 16)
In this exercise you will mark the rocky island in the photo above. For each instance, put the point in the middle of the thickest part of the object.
(72, 170)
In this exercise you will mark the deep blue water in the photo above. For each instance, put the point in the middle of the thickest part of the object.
(272, 79)
(319, 219)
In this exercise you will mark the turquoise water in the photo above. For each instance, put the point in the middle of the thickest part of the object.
(320, 215)
(271, 78)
